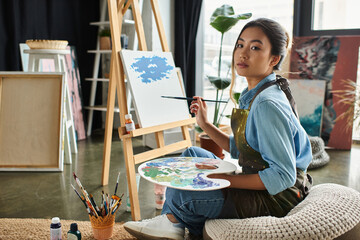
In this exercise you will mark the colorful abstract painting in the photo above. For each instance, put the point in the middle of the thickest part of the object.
(309, 97)
(150, 76)
(330, 59)
(74, 84)
(187, 173)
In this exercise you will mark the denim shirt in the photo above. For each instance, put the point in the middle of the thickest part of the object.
(273, 130)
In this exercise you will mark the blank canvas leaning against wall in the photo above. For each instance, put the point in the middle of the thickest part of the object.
(31, 107)
(152, 75)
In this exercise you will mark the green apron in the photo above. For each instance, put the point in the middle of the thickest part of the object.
(243, 203)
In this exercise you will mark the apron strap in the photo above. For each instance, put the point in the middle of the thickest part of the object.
(283, 83)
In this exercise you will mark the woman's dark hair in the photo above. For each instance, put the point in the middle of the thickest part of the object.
(278, 37)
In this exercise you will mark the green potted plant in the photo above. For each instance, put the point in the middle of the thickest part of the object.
(105, 39)
(222, 19)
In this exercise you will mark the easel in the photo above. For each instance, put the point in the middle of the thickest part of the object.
(117, 81)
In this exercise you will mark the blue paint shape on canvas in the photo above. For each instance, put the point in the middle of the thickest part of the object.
(152, 69)
(312, 122)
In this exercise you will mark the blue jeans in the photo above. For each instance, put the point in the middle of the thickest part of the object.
(193, 208)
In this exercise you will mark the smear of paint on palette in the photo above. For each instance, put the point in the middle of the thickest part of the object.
(200, 182)
(152, 69)
(181, 172)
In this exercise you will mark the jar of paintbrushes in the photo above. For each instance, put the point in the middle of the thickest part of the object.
(102, 216)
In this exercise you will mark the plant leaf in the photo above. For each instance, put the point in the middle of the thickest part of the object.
(105, 33)
(219, 83)
(224, 10)
(198, 129)
(236, 96)
(224, 18)
(225, 23)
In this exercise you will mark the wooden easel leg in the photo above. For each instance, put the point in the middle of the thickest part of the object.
(131, 176)
(109, 126)
(186, 134)
(159, 136)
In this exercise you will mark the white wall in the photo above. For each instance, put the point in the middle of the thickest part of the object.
(166, 8)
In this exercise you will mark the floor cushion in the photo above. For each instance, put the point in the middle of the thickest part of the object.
(330, 211)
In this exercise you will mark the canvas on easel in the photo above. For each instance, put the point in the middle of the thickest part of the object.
(152, 75)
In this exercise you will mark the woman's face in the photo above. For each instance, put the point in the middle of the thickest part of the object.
(252, 55)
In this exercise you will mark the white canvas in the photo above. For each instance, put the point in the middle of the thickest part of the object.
(309, 96)
(152, 75)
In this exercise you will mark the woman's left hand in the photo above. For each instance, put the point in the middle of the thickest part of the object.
(217, 175)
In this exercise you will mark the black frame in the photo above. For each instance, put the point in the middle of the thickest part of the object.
(303, 15)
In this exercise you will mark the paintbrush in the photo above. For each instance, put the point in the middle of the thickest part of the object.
(189, 98)
(87, 208)
(85, 194)
(81, 198)
(117, 183)
(77, 193)
(116, 204)
(94, 204)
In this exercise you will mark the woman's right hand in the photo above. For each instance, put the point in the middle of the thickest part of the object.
(199, 107)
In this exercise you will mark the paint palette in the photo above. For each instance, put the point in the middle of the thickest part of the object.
(186, 173)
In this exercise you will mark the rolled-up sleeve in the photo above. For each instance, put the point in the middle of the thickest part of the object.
(272, 136)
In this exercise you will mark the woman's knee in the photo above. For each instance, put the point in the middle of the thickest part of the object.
(173, 197)
(189, 152)
(197, 152)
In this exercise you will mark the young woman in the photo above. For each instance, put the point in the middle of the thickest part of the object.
(273, 149)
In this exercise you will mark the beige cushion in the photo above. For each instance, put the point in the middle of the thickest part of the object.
(328, 212)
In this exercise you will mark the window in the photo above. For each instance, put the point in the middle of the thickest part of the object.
(326, 17)
(336, 14)
(279, 10)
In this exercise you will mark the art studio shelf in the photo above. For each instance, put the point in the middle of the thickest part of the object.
(107, 23)
(101, 60)
(100, 108)
(100, 51)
